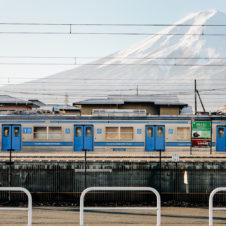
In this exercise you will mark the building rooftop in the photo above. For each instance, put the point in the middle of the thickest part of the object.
(122, 99)
(5, 99)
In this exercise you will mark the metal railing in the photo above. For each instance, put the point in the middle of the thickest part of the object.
(158, 208)
(29, 208)
(211, 208)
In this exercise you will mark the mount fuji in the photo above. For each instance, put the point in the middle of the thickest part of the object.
(165, 63)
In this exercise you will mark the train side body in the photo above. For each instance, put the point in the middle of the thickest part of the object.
(74, 134)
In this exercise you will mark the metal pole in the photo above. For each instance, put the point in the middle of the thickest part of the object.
(160, 179)
(191, 138)
(82, 197)
(211, 130)
(195, 95)
(29, 208)
(85, 167)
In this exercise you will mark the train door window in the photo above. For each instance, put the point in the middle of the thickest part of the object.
(149, 132)
(160, 132)
(55, 133)
(78, 131)
(126, 133)
(40, 133)
(88, 132)
(111, 132)
(221, 132)
(16, 132)
(6, 131)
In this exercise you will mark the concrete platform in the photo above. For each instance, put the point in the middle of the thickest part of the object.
(68, 216)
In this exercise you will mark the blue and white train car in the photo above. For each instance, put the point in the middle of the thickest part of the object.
(40, 133)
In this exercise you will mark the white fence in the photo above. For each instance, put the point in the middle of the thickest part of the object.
(82, 197)
(211, 208)
(29, 208)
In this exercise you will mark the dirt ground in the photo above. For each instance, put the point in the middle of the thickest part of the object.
(69, 216)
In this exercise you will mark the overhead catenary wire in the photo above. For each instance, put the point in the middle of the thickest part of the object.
(109, 33)
(113, 24)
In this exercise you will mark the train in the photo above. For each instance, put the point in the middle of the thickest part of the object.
(111, 134)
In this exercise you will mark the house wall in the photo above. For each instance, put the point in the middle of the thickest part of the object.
(169, 110)
(150, 108)
(87, 109)
(15, 108)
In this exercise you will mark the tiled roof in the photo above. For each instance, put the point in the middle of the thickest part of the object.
(122, 99)
(5, 99)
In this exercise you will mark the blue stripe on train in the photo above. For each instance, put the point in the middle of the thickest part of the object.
(168, 144)
(153, 122)
(119, 144)
(12, 122)
(47, 143)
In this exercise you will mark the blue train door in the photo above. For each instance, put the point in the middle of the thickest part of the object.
(11, 137)
(221, 138)
(160, 138)
(149, 138)
(155, 138)
(83, 137)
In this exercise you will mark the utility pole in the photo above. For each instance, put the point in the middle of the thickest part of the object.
(195, 96)
(137, 91)
(66, 100)
(196, 92)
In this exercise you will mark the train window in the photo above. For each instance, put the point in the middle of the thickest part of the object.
(221, 132)
(55, 133)
(78, 131)
(111, 133)
(126, 133)
(40, 133)
(6, 131)
(88, 131)
(160, 132)
(16, 131)
(183, 133)
(149, 132)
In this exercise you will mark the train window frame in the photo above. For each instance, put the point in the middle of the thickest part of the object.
(108, 137)
(35, 137)
(16, 131)
(119, 135)
(150, 132)
(130, 133)
(186, 135)
(220, 134)
(54, 138)
(48, 136)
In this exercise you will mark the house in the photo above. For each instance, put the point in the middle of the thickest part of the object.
(153, 104)
(9, 103)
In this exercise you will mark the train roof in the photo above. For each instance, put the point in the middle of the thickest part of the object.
(90, 117)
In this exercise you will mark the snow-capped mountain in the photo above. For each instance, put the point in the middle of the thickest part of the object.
(165, 63)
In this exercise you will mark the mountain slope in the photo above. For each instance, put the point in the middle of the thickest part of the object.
(166, 63)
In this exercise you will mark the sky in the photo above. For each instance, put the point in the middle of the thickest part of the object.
(79, 12)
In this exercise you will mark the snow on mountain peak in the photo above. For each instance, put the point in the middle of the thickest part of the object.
(170, 40)
(153, 59)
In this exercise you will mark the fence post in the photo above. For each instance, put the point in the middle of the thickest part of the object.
(82, 197)
(29, 208)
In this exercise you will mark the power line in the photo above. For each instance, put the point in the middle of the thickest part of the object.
(115, 57)
(123, 79)
(109, 33)
(113, 64)
(114, 24)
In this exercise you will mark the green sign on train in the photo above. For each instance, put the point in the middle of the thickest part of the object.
(201, 129)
